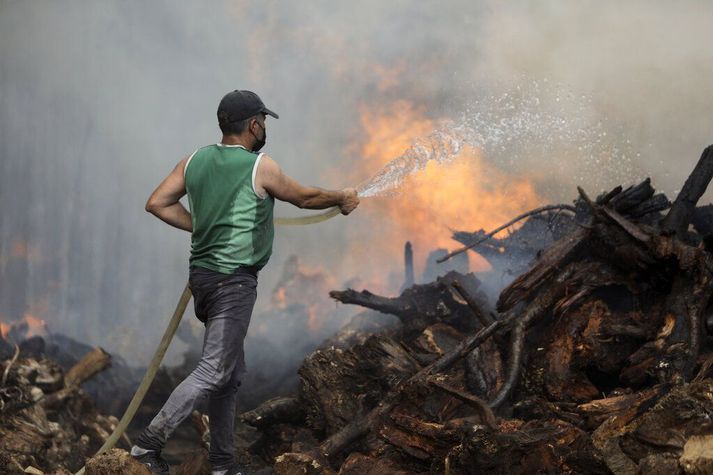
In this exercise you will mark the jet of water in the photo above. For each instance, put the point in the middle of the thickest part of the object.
(514, 126)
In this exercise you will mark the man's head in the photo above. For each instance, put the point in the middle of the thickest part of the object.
(242, 114)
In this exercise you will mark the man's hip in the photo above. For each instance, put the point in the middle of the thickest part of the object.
(218, 295)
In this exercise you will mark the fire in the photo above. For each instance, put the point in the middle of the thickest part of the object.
(468, 193)
(22, 250)
(315, 318)
(279, 298)
(300, 295)
(27, 327)
(35, 326)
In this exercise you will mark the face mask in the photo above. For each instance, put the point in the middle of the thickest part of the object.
(260, 143)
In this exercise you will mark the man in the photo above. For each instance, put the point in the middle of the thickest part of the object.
(231, 190)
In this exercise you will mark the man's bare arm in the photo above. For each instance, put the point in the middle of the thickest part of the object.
(163, 202)
(272, 179)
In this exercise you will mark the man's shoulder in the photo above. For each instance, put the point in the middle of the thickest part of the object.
(205, 148)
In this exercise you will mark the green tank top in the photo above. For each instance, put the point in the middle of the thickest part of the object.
(232, 225)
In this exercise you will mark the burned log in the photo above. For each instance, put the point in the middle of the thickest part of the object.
(46, 421)
(8, 366)
(597, 411)
(409, 278)
(702, 220)
(115, 461)
(648, 438)
(283, 409)
(689, 294)
(678, 218)
(552, 260)
(362, 425)
(650, 207)
(422, 305)
(484, 372)
(93, 362)
(292, 463)
(435, 341)
(524, 448)
(336, 386)
(486, 413)
(632, 197)
(361, 464)
(697, 455)
(542, 209)
(482, 317)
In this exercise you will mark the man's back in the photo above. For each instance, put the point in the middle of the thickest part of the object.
(232, 224)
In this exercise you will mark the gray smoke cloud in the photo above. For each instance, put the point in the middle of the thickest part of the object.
(99, 100)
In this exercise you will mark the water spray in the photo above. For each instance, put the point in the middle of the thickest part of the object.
(442, 146)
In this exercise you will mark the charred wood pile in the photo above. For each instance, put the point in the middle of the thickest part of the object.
(47, 423)
(596, 359)
(92, 389)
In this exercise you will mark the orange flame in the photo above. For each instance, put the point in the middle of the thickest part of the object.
(35, 326)
(279, 298)
(315, 318)
(469, 193)
(301, 291)
(4, 330)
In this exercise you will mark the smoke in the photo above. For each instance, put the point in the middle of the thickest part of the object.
(99, 100)
(642, 67)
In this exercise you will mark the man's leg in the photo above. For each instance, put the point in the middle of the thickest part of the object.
(227, 308)
(209, 376)
(222, 403)
(221, 416)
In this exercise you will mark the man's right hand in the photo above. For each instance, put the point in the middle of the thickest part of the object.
(349, 202)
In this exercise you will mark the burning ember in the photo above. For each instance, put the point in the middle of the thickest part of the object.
(35, 326)
(25, 328)
(299, 297)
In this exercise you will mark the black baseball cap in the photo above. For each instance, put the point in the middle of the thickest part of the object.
(240, 105)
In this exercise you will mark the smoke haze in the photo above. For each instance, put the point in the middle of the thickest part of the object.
(99, 100)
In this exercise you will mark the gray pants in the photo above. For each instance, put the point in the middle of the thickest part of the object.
(224, 303)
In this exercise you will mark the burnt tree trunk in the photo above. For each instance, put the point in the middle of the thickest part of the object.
(409, 278)
(677, 220)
